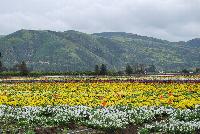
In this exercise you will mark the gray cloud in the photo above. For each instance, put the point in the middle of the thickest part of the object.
(167, 19)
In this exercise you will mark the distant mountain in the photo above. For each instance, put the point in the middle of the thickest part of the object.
(75, 51)
(122, 36)
(2, 36)
(164, 54)
(194, 43)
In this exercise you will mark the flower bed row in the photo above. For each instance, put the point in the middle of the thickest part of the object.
(110, 119)
(177, 95)
(102, 81)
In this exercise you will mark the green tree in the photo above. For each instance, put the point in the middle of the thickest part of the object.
(197, 70)
(97, 71)
(103, 69)
(23, 69)
(129, 69)
(1, 65)
(139, 68)
(185, 71)
(152, 69)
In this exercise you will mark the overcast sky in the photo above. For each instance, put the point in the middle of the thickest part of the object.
(172, 20)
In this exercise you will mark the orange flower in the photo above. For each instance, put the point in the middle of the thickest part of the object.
(161, 96)
(56, 96)
(170, 101)
(103, 103)
(170, 93)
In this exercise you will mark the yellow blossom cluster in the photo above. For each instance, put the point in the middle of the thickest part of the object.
(177, 95)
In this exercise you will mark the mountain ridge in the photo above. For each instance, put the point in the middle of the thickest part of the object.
(46, 50)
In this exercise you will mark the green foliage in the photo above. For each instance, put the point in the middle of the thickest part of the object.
(151, 69)
(23, 69)
(103, 70)
(197, 70)
(97, 70)
(129, 69)
(1, 66)
(185, 71)
(75, 51)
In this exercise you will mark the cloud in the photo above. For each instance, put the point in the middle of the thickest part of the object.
(167, 19)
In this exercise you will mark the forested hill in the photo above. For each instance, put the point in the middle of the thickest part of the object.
(1, 36)
(75, 51)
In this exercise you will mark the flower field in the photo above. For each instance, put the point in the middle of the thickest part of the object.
(177, 95)
(142, 107)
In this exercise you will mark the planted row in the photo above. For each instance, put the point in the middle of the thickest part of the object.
(110, 119)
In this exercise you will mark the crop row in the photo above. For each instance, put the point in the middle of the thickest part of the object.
(177, 95)
(109, 119)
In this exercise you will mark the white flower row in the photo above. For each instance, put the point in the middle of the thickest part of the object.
(107, 118)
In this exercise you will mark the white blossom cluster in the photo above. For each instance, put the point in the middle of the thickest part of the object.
(152, 119)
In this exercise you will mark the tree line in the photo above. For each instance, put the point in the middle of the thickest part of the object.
(134, 69)
(21, 67)
(102, 69)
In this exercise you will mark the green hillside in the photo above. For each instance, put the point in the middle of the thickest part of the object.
(75, 51)
(2, 36)
(164, 54)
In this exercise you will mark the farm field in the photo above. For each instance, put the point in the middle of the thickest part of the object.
(107, 105)
(82, 77)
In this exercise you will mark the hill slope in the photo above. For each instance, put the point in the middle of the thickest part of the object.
(72, 50)
(2, 36)
(164, 54)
